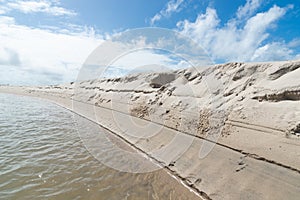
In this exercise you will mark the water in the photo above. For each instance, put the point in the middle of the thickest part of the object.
(42, 157)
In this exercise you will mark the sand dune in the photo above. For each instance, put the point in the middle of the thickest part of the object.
(247, 115)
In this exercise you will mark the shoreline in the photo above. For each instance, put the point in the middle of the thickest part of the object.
(179, 179)
(252, 147)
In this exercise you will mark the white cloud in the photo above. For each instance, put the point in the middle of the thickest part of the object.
(171, 7)
(2, 10)
(9, 57)
(272, 51)
(249, 8)
(156, 17)
(294, 43)
(239, 39)
(37, 6)
(41, 56)
(140, 61)
(6, 20)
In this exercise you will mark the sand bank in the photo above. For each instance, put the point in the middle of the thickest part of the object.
(246, 115)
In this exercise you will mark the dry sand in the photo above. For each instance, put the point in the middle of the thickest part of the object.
(250, 110)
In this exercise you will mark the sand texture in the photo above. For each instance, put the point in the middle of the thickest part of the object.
(229, 131)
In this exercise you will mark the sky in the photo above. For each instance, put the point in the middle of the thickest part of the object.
(47, 41)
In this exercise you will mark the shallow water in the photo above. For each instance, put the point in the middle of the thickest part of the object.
(42, 157)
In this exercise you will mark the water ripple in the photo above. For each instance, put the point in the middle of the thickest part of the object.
(42, 157)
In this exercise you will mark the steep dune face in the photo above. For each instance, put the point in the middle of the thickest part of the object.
(222, 90)
(251, 111)
(221, 103)
(251, 108)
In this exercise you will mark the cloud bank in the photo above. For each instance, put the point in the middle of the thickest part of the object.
(242, 38)
(40, 56)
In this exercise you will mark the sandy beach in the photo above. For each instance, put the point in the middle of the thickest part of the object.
(229, 131)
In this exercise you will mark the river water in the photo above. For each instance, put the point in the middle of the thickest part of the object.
(42, 157)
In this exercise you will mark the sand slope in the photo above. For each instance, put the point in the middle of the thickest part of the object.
(250, 110)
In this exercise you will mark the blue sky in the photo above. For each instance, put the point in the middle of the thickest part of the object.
(47, 41)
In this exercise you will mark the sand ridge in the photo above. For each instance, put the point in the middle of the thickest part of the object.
(251, 110)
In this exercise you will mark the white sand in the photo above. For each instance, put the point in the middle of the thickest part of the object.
(251, 110)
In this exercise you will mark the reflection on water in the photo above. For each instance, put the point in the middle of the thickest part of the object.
(42, 157)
